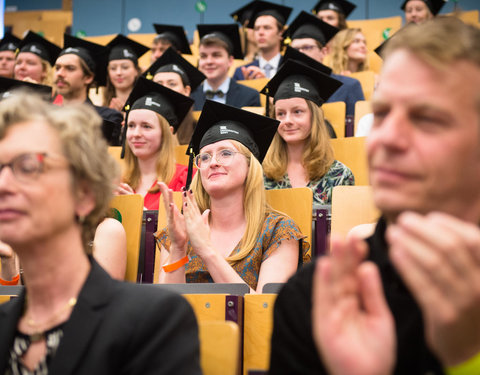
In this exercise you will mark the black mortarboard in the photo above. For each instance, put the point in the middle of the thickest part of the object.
(308, 26)
(244, 13)
(122, 47)
(171, 61)
(94, 55)
(9, 86)
(266, 8)
(175, 35)
(221, 121)
(112, 132)
(40, 46)
(297, 80)
(293, 54)
(226, 32)
(433, 5)
(9, 42)
(147, 94)
(339, 6)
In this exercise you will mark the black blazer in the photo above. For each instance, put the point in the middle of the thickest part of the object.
(237, 96)
(117, 328)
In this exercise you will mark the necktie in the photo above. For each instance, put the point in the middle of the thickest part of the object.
(268, 70)
(209, 94)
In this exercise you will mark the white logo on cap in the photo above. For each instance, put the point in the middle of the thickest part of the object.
(225, 130)
(298, 88)
(71, 50)
(175, 67)
(126, 53)
(11, 46)
(149, 101)
(34, 49)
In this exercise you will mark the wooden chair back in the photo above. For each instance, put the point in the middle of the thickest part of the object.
(131, 209)
(258, 326)
(362, 107)
(115, 152)
(257, 84)
(181, 156)
(351, 152)
(367, 80)
(297, 203)
(335, 113)
(352, 206)
(219, 347)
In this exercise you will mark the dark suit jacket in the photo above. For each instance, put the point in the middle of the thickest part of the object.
(117, 328)
(238, 75)
(237, 96)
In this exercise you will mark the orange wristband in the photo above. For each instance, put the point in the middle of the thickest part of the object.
(14, 281)
(176, 265)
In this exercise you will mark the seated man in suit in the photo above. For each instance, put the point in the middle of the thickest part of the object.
(219, 45)
(406, 301)
(310, 35)
(268, 20)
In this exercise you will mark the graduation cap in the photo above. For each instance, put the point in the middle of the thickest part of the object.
(266, 8)
(433, 5)
(244, 13)
(308, 26)
(40, 46)
(112, 132)
(147, 94)
(172, 62)
(8, 87)
(122, 47)
(298, 80)
(9, 42)
(294, 54)
(227, 32)
(219, 121)
(340, 6)
(175, 35)
(94, 55)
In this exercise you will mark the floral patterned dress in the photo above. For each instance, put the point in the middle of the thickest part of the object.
(276, 228)
(338, 174)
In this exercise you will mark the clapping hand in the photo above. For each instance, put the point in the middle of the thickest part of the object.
(353, 328)
(438, 257)
(197, 225)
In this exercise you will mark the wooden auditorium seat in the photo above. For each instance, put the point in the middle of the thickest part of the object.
(351, 152)
(335, 113)
(352, 206)
(131, 211)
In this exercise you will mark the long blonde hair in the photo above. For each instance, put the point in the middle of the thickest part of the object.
(339, 57)
(47, 69)
(317, 152)
(255, 204)
(165, 164)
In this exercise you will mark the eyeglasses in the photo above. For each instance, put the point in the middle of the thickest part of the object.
(223, 157)
(26, 167)
(306, 48)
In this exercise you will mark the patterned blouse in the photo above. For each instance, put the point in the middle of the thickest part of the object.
(276, 228)
(338, 174)
(21, 344)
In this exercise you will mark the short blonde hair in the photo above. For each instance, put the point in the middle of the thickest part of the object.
(339, 58)
(255, 202)
(79, 129)
(317, 152)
